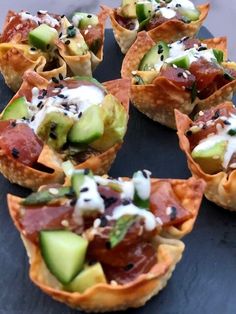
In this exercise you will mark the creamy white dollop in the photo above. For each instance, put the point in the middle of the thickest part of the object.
(131, 209)
(186, 4)
(167, 13)
(44, 18)
(142, 184)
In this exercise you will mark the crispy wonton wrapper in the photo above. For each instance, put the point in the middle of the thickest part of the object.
(168, 31)
(159, 97)
(17, 57)
(32, 178)
(111, 297)
(220, 187)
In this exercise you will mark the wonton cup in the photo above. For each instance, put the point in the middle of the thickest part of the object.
(110, 297)
(99, 163)
(16, 57)
(220, 187)
(158, 99)
(168, 31)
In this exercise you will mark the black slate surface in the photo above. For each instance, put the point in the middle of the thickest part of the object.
(203, 282)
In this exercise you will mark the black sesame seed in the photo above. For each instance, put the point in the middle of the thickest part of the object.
(13, 124)
(144, 174)
(65, 146)
(226, 122)
(39, 104)
(44, 92)
(84, 190)
(86, 171)
(126, 202)
(53, 126)
(108, 245)
(162, 58)
(108, 201)
(71, 27)
(60, 96)
(48, 46)
(173, 213)
(53, 135)
(80, 115)
(160, 49)
(87, 199)
(178, 5)
(60, 86)
(216, 115)
(60, 76)
(67, 42)
(60, 35)
(32, 119)
(15, 152)
(128, 267)
(180, 74)
(33, 49)
(204, 126)
(62, 16)
(55, 80)
(189, 133)
(202, 48)
(89, 16)
(40, 97)
(103, 222)
(73, 202)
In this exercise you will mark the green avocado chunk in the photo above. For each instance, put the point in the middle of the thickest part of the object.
(144, 11)
(43, 37)
(210, 159)
(128, 8)
(54, 129)
(17, 109)
(83, 20)
(154, 57)
(191, 14)
(115, 119)
(89, 277)
(63, 252)
(88, 128)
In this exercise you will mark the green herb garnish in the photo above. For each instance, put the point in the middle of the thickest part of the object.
(120, 229)
(232, 132)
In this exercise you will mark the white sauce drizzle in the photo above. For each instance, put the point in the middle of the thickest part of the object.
(167, 13)
(142, 184)
(44, 18)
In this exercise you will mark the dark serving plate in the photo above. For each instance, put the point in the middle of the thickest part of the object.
(203, 282)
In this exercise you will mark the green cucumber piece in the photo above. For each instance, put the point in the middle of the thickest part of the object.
(83, 20)
(77, 181)
(43, 37)
(88, 128)
(219, 55)
(44, 197)
(181, 62)
(154, 57)
(17, 109)
(89, 277)
(144, 11)
(190, 14)
(64, 253)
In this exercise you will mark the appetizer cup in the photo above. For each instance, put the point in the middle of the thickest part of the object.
(166, 21)
(50, 45)
(209, 145)
(179, 75)
(106, 244)
(48, 122)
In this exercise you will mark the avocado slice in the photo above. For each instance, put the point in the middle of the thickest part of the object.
(17, 109)
(77, 46)
(155, 57)
(63, 252)
(88, 128)
(43, 37)
(90, 276)
(181, 62)
(144, 10)
(191, 14)
(83, 20)
(210, 159)
(115, 123)
(128, 8)
(54, 129)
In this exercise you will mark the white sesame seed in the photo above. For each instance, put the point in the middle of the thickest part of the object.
(134, 72)
(201, 113)
(233, 165)
(53, 191)
(168, 210)
(86, 32)
(185, 75)
(175, 66)
(65, 223)
(96, 223)
(113, 283)
(159, 221)
(90, 26)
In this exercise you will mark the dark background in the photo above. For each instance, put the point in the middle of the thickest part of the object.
(203, 282)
